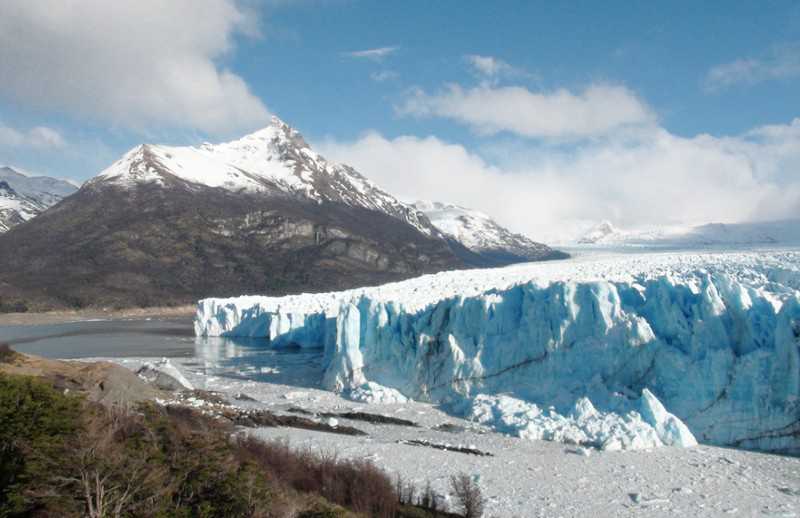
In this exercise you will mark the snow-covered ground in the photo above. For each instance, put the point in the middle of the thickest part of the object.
(520, 478)
(714, 336)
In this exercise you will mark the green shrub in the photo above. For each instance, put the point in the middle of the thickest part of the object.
(36, 418)
(63, 456)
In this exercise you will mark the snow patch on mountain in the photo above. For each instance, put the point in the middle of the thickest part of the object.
(15, 208)
(44, 189)
(23, 197)
(714, 337)
(275, 159)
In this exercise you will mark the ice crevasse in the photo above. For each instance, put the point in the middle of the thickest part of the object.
(619, 353)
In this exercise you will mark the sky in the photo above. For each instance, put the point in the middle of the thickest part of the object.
(550, 118)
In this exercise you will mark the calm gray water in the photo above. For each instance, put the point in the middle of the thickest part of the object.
(239, 358)
(172, 337)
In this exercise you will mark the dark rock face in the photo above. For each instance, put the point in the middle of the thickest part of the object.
(173, 244)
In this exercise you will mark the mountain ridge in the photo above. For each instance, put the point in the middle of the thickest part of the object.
(483, 236)
(264, 214)
(786, 232)
(23, 197)
(271, 160)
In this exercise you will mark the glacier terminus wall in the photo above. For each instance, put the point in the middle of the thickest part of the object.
(618, 352)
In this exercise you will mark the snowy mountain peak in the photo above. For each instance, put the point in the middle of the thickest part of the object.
(278, 135)
(479, 233)
(275, 160)
(15, 208)
(598, 233)
(23, 197)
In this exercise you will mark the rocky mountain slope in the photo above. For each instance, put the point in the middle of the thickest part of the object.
(482, 236)
(23, 197)
(263, 214)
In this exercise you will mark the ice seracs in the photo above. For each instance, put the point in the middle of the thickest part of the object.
(635, 428)
(713, 338)
(670, 430)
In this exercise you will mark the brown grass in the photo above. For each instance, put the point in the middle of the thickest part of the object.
(358, 485)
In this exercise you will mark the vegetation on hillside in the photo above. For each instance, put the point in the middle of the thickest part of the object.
(61, 455)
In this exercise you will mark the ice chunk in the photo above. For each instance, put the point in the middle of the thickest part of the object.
(669, 428)
(164, 375)
(584, 425)
(374, 393)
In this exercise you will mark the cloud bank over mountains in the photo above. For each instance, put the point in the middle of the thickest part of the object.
(642, 179)
(553, 163)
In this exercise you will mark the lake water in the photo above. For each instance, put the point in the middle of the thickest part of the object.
(171, 337)
(240, 358)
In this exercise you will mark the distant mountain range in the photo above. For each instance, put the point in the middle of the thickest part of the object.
(784, 232)
(23, 197)
(483, 237)
(262, 214)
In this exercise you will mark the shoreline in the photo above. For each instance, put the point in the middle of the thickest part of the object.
(63, 316)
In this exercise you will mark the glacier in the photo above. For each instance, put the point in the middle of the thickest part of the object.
(677, 346)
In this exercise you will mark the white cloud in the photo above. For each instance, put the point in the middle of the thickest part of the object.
(377, 54)
(135, 64)
(39, 137)
(654, 179)
(598, 110)
(491, 68)
(782, 62)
